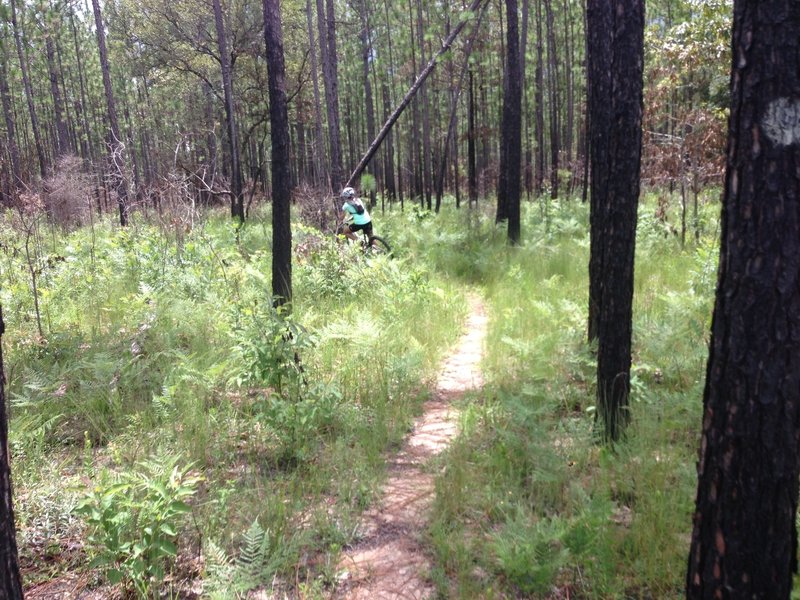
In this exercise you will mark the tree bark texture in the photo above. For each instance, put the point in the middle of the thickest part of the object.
(115, 141)
(616, 49)
(511, 132)
(281, 175)
(744, 542)
(10, 581)
(237, 201)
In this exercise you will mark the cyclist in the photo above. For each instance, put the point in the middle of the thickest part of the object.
(355, 216)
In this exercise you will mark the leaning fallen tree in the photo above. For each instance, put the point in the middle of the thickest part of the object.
(373, 148)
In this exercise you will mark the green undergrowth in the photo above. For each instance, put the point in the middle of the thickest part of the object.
(529, 503)
(167, 411)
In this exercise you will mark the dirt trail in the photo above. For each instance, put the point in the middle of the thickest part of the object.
(388, 562)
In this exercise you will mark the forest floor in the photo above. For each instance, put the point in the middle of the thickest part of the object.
(389, 561)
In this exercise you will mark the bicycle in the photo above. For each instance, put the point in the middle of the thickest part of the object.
(371, 245)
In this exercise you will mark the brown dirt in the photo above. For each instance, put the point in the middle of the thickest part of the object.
(388, 561)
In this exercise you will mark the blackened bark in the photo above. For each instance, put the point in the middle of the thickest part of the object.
(425, 163)
(555, 102)
(616, 32)
(366, 48)
(26, 82)
(10, 581)
(281, 175)
(511, 132)
(744, 542)
(237, 200)
(472, 167)
(115, 142)
(538, 99)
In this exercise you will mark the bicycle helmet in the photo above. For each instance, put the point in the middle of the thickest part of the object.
(348, 193)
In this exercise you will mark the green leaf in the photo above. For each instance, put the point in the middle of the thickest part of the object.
(180, 507)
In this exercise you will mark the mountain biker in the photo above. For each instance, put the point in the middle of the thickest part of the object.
(355, 216)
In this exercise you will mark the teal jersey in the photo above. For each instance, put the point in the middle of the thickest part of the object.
(358, 219)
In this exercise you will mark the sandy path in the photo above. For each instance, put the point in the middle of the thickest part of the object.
(388, 561)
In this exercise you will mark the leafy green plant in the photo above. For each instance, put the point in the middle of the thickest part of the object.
(135, 517)
(268, 347)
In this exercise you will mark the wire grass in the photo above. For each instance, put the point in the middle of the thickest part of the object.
(529, 503)
(161, 342)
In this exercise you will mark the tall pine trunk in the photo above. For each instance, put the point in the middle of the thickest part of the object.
(508, 186)
(616, 48)
(237, 201)
(117, 162)
(744, 542)
(281, 176)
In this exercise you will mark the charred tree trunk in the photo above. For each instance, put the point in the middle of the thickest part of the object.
(237, 201)
(10, 581)
(472, 166)
(539, 101)
(555, 103)
(744, 542)
(281, 175)
(616, 41)
(366, 48)
(508, 187)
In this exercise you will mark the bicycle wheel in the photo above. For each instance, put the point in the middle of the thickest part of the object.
(378, 246)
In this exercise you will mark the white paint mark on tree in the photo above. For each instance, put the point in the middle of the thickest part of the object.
(781, 122)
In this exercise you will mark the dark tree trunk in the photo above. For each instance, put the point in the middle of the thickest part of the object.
(425, 163)
(539, 101)
(26, 82)
(366, 48)
(508, 187)
(552, 79)
(281, 175)
(744, 542)
(115, 140)
(616, 34)
(237, 201)
(327, 44)
(472, 167)
(10, 581)
(319, 136)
